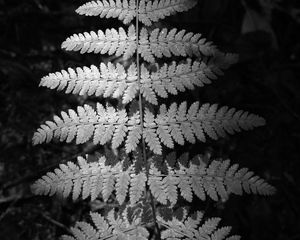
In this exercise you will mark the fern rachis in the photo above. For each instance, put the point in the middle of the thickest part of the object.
(144, 179)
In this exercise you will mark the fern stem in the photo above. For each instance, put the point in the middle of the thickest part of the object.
(142, 118)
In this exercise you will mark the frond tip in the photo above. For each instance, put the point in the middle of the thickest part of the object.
(149, 11)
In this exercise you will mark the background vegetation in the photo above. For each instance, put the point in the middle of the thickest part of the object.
(265, 81)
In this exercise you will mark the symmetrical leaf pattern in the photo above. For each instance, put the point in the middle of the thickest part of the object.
(128, 181)
(110, 42)
(91, 180)
(102, 125)
(176, 78)
(163, 43)
(113, 80)
(123, 10)
(107, 80)
(159, 43)
(177, 123)
(216, 180)
(188, 228)
(126, 10)
(112, 228)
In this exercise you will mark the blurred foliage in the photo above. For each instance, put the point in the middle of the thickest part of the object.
(265, 81)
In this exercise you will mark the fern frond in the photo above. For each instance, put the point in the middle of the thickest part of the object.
(103, 125)
(173, 124)
(137, 186)
(163, 43)
(90, 180)
(114, 227)
(154, 11)
(178, 123)
(188, 228)
(110, 42)
(160, 43)
(216, 180)
(176, 78)
(114, 81)
(107, 81)
(150, 134)
(125, 10)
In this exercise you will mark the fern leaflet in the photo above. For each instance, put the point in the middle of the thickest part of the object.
(160, 43)
(114, 227)
(187, 228)
(174, 124)
(216, 180)
(125, 11)
(113, 80)
(103, 125)
(178, 123)
(110, 42)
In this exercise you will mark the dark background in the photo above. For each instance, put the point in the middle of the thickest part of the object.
(265, 81)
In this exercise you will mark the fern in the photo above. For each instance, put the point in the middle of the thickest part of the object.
(125, 11)
(175, 123)
(186, 228)
(142, 179)
(115, 227)
(216, 180)
(114, 81)
(159, 43)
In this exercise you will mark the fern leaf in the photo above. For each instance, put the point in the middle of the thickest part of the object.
(101, 125)
(163, 131)
(111, 42)
(125, 11)
(114, 81)
(149, 133)
(185, 185)
(176, 78)
(164, 43)
(134, 133)
(186, 228)
(192, 123)
(137, 187)
(170, 182)
(216, 180)
(154, 11)
(107, 81)
(156, 185)
(88, 179)
(159, 43)
(115, 227)
(123, 181)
